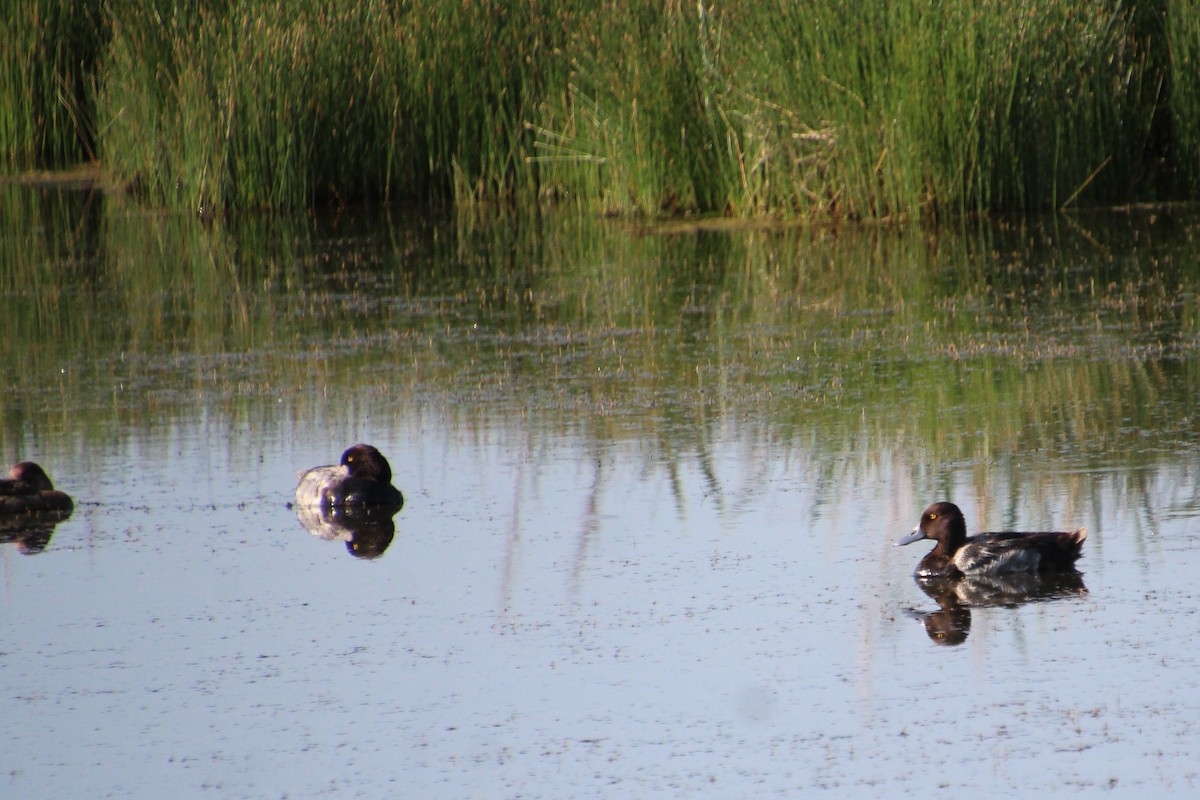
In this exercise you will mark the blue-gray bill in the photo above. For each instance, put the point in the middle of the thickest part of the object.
(916, 536)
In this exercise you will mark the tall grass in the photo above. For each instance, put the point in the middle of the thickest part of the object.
(908, 109)
(288, 104)
(641, 122)
(47, 66)
(877, 110)
(1182, 23)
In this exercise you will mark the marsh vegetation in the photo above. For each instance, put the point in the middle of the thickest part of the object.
(903, 110)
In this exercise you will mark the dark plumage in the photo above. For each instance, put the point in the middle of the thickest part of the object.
(28, 490)
(956, 554)
(363, 478)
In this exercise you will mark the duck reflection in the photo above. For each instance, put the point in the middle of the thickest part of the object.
(951, 623)
(366, 530)
(31, 532)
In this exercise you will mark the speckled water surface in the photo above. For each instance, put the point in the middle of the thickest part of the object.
(653, 478)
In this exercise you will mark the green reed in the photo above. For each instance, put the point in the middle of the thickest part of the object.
(47, 68)
(1182, 23)
(897, 109)
(903, 110)
(294, 104)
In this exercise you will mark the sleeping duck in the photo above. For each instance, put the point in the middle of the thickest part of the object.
(363, 478)
(28, 490)
(956, 554)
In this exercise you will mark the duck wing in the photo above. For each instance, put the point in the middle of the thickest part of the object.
(998, 553)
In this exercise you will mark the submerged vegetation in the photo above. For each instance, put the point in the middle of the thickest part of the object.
(910, 109)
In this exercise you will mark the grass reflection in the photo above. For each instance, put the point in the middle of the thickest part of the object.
(1060, 343)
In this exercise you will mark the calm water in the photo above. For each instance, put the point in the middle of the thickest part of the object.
(652, 481)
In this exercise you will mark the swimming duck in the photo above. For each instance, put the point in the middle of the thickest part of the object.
(363, 478)
(28, 490)
(956, 554)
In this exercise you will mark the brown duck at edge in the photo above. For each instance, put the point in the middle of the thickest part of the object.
(28, 490)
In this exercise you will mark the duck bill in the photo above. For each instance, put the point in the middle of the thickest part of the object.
(916, 536)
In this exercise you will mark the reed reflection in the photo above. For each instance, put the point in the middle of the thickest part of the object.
(366, 530)
(951, 623)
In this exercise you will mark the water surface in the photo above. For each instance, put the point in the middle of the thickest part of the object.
(652, 482)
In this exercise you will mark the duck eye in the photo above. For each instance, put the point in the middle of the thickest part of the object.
(933, 516)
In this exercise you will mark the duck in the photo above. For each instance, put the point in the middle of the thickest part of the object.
(957, 555)
(28, 490)
(362, 478)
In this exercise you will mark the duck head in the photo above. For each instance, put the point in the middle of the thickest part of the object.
(31, 474)
(942, 522)
(364, 461)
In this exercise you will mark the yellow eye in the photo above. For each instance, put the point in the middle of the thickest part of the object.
(933, 516)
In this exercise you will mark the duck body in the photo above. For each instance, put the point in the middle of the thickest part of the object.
(28, 490)
(362, 478)
(957, 554)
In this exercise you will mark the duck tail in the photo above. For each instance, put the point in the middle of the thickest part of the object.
(1073, 543)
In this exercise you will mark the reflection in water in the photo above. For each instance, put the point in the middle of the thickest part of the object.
(366, 530)
(1064, 347)
(1061, 345)
(951, 623)
(650, 419)
(31, 532)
